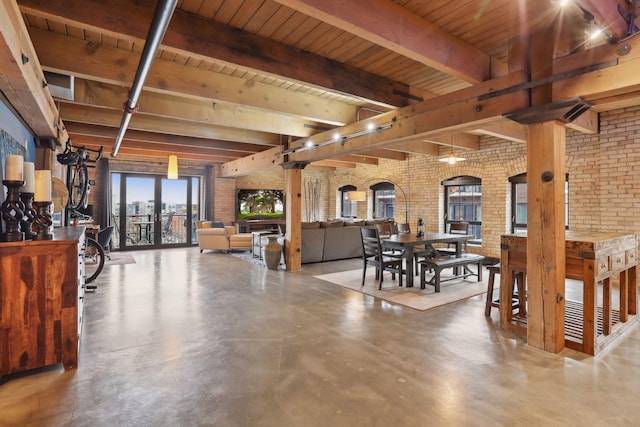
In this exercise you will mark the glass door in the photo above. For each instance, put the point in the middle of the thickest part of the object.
(140, 211)
(151, 211)
(173, 199)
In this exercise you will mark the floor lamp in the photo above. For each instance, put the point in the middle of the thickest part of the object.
(361, 196)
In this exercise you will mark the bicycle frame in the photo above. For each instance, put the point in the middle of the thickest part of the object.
(78, 183)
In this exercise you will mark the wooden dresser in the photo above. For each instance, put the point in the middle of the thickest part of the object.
(41, 301)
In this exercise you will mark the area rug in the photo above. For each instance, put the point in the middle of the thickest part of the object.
(248, 257)
(119, 258)
(416, 298)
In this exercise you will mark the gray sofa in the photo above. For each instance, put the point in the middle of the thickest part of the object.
(330, 241)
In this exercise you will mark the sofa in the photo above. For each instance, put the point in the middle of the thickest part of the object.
(214, 235)
(332, 240)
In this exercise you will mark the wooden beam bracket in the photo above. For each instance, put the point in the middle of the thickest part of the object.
(294, 165)
(565, 111)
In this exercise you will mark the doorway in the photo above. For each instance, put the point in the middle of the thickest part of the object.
(151, 211)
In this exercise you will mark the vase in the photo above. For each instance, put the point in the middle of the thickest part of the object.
(272, 253)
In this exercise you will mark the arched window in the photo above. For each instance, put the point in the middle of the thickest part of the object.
(463, 202)
(384, 200)
(348, 208)
(519, 206)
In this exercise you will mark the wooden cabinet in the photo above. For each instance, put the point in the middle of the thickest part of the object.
(595, 258)
(41, 301)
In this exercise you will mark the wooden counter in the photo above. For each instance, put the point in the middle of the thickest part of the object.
(594, 258)
(41, 291)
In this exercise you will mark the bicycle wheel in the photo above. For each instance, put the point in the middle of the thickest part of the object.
(78, 187)
(93, 260)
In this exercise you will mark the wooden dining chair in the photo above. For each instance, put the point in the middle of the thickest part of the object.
(419, 252)
(372, 254)
(404, 228)
(384, 229)
(461, 228)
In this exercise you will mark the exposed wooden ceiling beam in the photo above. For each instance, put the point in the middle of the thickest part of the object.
(98, 131)
(156, 146)
(390, 25)
(163, 155)
(419, 146)
(383, 153)
(333, 164)
(462, 140)
(60, 54)
(457, 112)
(452, 113)
(105, 95)
(355, 158)
(616, 72)
(194, 35)
(143, 122)
(253, 163)
(21, 78)
(505, 129)
(606, 15)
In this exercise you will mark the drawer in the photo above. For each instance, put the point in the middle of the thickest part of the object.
(602, 265)
(631, 258)
(618, 261)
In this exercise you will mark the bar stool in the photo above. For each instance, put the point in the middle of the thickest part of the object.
(518, 299)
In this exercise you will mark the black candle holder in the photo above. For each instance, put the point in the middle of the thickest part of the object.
(43, 221)
(29, 215)
(12, 212)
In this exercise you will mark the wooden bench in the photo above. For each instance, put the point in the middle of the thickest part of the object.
(440, 263)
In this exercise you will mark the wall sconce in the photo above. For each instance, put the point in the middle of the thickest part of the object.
(172, 170)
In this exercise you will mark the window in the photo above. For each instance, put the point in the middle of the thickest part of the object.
(463, 202)
(384, 200)
(348, 208)
(519, 205)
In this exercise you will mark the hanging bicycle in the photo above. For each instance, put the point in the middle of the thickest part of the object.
(78, 162)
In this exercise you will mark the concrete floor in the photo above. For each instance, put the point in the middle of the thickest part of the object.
(185, 339)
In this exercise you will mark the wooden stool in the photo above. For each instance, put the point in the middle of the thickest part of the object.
(518, 299)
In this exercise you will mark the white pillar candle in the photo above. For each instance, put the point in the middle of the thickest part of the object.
(13, 171)
(29, 178)
(43, 186)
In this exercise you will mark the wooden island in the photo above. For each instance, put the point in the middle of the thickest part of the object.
(41, 301)
(595, 258)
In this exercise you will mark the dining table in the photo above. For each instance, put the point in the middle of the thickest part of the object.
(407, 242)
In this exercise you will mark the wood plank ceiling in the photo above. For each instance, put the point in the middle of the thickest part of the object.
(237, 77)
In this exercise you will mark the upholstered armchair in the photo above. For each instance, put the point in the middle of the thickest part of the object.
(222, 237)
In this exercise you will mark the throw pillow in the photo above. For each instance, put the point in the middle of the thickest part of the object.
(324, 224)
(204, 224)
(314, 224)
(217, 224)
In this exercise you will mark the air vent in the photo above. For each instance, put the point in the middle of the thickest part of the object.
(60, 85)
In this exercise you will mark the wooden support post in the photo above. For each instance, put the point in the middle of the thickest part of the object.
(546, 235)
(589, 307)
(633, 290)
(293, 238)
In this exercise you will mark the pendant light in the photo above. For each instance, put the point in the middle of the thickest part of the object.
(172, 170)
(452, 159)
